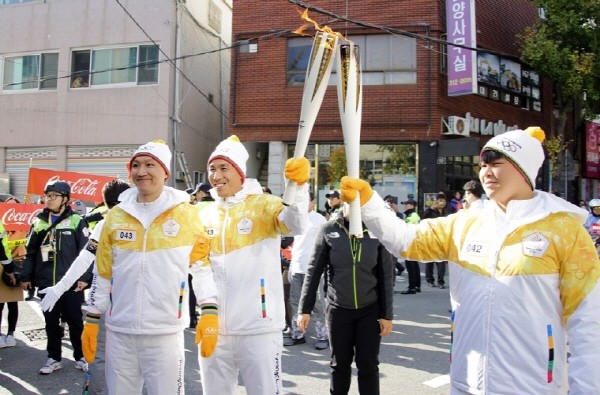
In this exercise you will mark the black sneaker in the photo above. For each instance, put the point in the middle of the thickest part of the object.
(442, 286)
(409, 291)
(322, 344)
(418, 289)
(290, 341)
(287, 332)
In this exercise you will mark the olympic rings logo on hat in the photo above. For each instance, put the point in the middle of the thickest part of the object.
(509, 145)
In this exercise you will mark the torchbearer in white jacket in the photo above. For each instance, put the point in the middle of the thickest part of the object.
(245, 228)
(523, 277)
(148, 245)
(95, 379)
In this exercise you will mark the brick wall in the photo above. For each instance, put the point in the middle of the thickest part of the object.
(264, 108)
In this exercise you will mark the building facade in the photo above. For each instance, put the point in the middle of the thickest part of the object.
(415, 137)
(85, 82)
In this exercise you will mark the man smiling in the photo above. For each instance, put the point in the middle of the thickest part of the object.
(148, 244)
(524, 276)
(245, 227)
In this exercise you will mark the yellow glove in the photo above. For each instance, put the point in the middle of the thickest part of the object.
(207, 330)
(350, 186)
(89, 337)
(201, 250)
(297, 170)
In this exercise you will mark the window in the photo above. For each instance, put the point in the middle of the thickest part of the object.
(2, 2)
(389, 168)
(443, 50)
(30, 72)
(148, 70)
(298, 54)
(459, 170)
(248, 46)
(385, 59)
(114, 66)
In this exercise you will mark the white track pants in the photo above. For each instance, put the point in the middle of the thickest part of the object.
(256, 357)
(154, 360)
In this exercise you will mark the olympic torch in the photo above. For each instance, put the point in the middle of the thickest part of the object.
(315, 85)
(349, 90)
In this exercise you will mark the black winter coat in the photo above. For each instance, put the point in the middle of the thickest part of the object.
(350, 285)
(70, 235)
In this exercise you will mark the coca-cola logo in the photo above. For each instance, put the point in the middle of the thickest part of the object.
(13, 216)
(81, 186)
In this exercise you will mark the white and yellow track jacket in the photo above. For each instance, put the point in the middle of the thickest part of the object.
(245, 232)
(522, 282)
(142, 279)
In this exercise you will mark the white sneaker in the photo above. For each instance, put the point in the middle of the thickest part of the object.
(3, 342)
(50, 366)
(10, 341)
(81, 364)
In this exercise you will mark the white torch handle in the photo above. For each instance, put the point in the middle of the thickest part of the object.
(315, 85)
(350, 103)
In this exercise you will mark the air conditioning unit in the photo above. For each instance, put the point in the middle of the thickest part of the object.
(458, 126)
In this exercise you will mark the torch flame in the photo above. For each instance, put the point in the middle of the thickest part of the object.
(325, 29)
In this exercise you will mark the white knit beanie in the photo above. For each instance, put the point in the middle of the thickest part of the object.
(234, 152)
(158, 150)
(523, 148)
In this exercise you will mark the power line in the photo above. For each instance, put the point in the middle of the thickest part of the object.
(261, 37)
(185, 77)
(394, 31)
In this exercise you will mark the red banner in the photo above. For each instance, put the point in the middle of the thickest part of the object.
(592, 153)
(86, 187)
(18, 217)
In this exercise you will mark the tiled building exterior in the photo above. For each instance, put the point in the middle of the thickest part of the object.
(129, 93)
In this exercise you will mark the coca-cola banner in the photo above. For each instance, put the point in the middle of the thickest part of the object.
(18, 217)
(86, 187)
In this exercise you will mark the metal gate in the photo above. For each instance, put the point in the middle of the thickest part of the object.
(107, 161)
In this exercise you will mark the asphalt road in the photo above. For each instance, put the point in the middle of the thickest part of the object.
(414, 358)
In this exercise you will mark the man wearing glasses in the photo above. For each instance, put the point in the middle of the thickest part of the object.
(55, 238)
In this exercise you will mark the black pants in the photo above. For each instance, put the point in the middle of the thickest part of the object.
(192, 301)
(286, 298)
(354, 332)
(13, 315)
(414, 274)
(441, 272)
(69, 307)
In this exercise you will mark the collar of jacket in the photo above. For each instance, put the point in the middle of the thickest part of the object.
(45, 214)
(250, 187)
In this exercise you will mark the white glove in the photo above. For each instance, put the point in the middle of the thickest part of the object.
(78, 267)
(52, 294)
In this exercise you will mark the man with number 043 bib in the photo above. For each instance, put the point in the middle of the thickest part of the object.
(148, 245)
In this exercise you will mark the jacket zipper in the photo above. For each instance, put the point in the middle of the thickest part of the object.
(139, 313)
(355, 252)
(54, 256)
(223, 244)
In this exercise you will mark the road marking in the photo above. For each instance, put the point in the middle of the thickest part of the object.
(31, 389)
(438, 381)
(35, 305)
